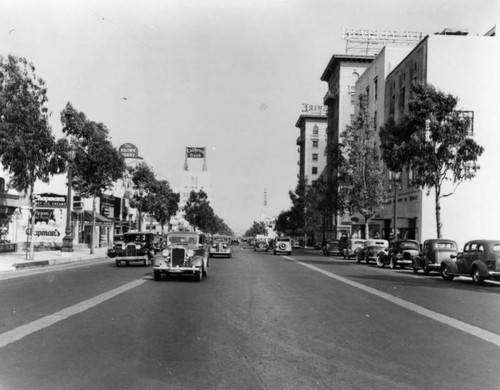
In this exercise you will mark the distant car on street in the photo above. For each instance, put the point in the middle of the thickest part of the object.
(137, 247)
(220, 246)
(282, 245)
(353, 246)
(401, 254)
(261, 245)
(480, 260)
(372, 249)
(434, 251)
(333, 247)
(185, 253)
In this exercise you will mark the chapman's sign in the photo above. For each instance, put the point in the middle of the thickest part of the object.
(129, 151)
(194, 152)
(49, 200)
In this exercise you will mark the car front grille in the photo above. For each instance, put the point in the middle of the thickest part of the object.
(178, 256)
(131, 250)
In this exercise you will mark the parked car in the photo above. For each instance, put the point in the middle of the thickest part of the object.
(480, 259)
(401, 254)
(282, 245)
(185, 253)
(137, 246)
(372, 249)
(295, 244)
(433, 253)
(220, 246)
(261, 245)
(353, 246)
(333, 248)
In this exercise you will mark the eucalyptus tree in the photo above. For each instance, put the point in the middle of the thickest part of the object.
(28, 149)
(165, 202)
(434, 142)
(98, 164)
(198, 212)
(146, 185)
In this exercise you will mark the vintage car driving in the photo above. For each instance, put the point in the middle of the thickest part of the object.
(353, 246)
(117, 245)
(480, 260)
(433, 252)
(372, 249)
(333, 248)
(185, 253)
(261, 245)
(220, 246)
(401, 254)
(136, 246)
(282, 245)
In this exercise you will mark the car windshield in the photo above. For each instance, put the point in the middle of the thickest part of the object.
(445, 245)
(409, 245)
(134, 237)
(181, 239)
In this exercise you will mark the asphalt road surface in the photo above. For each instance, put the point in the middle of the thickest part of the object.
(258, 321)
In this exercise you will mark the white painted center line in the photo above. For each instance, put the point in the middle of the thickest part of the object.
(25, 330)
(463, 326)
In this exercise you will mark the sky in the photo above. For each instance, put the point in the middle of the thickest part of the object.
(227, 75)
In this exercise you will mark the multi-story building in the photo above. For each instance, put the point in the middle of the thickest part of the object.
(371, 84)
(341, 74)
(464, 66)
(312, 143)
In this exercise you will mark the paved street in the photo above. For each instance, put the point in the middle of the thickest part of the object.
(258, 321)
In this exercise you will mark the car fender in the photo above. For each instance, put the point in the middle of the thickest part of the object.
(197, 261)
(483, 269)
(451, 265)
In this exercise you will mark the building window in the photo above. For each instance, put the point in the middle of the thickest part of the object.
(314, 170)
(315, 130)
(315, 143)
(315, 157)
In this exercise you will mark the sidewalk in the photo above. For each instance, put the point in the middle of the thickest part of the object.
(12, 261)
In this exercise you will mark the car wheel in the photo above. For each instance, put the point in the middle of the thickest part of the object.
(367, 260)
(157, 275)
(118, 263)
(358, 258)
(127, 263)
(415, 269)
(199, 275)
(290, 253)
(476, 278)
(426, 270)
(145, 262)
(392, 263)
(274, 252)
(444, 273)
(380, 261)
(205, 272)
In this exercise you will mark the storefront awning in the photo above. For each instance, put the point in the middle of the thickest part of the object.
(100, 219)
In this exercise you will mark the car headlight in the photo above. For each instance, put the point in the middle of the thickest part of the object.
(224, 245)
(214, 245)
(190, 253)
(165, 253)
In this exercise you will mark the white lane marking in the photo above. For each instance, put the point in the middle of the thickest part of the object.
(463, 326)
(25, 330)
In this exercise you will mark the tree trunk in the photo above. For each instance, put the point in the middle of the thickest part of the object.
(32, 223)
(438, 214)
(93, 228)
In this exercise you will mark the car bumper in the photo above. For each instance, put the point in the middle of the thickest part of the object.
(178, 270)
(132, 258)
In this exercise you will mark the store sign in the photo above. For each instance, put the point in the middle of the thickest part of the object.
(49, 200)
(194, 152)
(129, 151)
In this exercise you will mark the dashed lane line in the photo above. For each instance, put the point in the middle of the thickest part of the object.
(460, 325)
(32, 327)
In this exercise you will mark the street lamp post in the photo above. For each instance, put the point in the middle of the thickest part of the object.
(394, 176)
(67, 245)
(141, 194)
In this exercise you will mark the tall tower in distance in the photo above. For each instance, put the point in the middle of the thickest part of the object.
(269, 221)
(195, 176)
